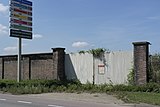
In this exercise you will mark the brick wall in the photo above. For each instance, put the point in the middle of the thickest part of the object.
(34, 66)
(10, 67)
(42, 67)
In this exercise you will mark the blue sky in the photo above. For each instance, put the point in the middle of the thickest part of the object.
(86, 24)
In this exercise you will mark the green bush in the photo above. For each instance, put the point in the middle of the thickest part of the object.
(45, 86)
(6, 83)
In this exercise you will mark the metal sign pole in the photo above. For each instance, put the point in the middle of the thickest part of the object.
(19, 60)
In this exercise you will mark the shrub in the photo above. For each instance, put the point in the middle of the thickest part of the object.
(45, 86)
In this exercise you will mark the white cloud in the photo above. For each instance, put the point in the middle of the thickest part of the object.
(10, 49)
(37, 36)
(3, 9)
(79, 44)
(13, 49)
(154, 18)
(3, 29)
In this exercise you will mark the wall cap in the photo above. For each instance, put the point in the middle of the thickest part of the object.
(57, 49)
(141, 43)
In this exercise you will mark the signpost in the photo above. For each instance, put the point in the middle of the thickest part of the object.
(20, 25)
(21, 18)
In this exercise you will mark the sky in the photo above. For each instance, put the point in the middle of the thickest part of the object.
(85, 24)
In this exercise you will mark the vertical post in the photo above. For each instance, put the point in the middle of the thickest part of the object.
(93, 70)
(2, 68)
(19, 60)
(30, 68)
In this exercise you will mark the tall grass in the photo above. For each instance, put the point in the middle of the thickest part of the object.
(45, 86)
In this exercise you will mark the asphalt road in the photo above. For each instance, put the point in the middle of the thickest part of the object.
(7, 100)
(31, 101)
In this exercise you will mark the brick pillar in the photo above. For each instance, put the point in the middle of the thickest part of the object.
(58, 63)
(141, 54)
(1, 68)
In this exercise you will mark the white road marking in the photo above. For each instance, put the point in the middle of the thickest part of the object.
(54, 106)
(25, 102)
(3, 99)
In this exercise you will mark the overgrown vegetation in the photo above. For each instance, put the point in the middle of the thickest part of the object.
(45, 86)
(154, 68)
(95, 52)
(34, 86)
(131, 77)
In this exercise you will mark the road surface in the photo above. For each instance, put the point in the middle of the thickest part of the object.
(59, 100)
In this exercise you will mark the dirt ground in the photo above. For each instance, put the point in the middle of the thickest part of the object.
(99, 98)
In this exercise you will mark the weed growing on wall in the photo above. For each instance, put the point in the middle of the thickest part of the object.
(131, 77)
(95, 52)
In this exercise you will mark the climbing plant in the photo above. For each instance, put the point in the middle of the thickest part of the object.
(95, 52)
(131, 77)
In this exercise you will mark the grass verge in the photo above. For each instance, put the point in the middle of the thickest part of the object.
(139, 97)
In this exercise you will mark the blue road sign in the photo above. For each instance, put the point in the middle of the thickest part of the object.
(19, 33)
(22, 6)
(24, 2)
(21, 19)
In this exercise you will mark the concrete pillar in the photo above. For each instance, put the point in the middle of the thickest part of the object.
(141, 55)
(58, 63)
